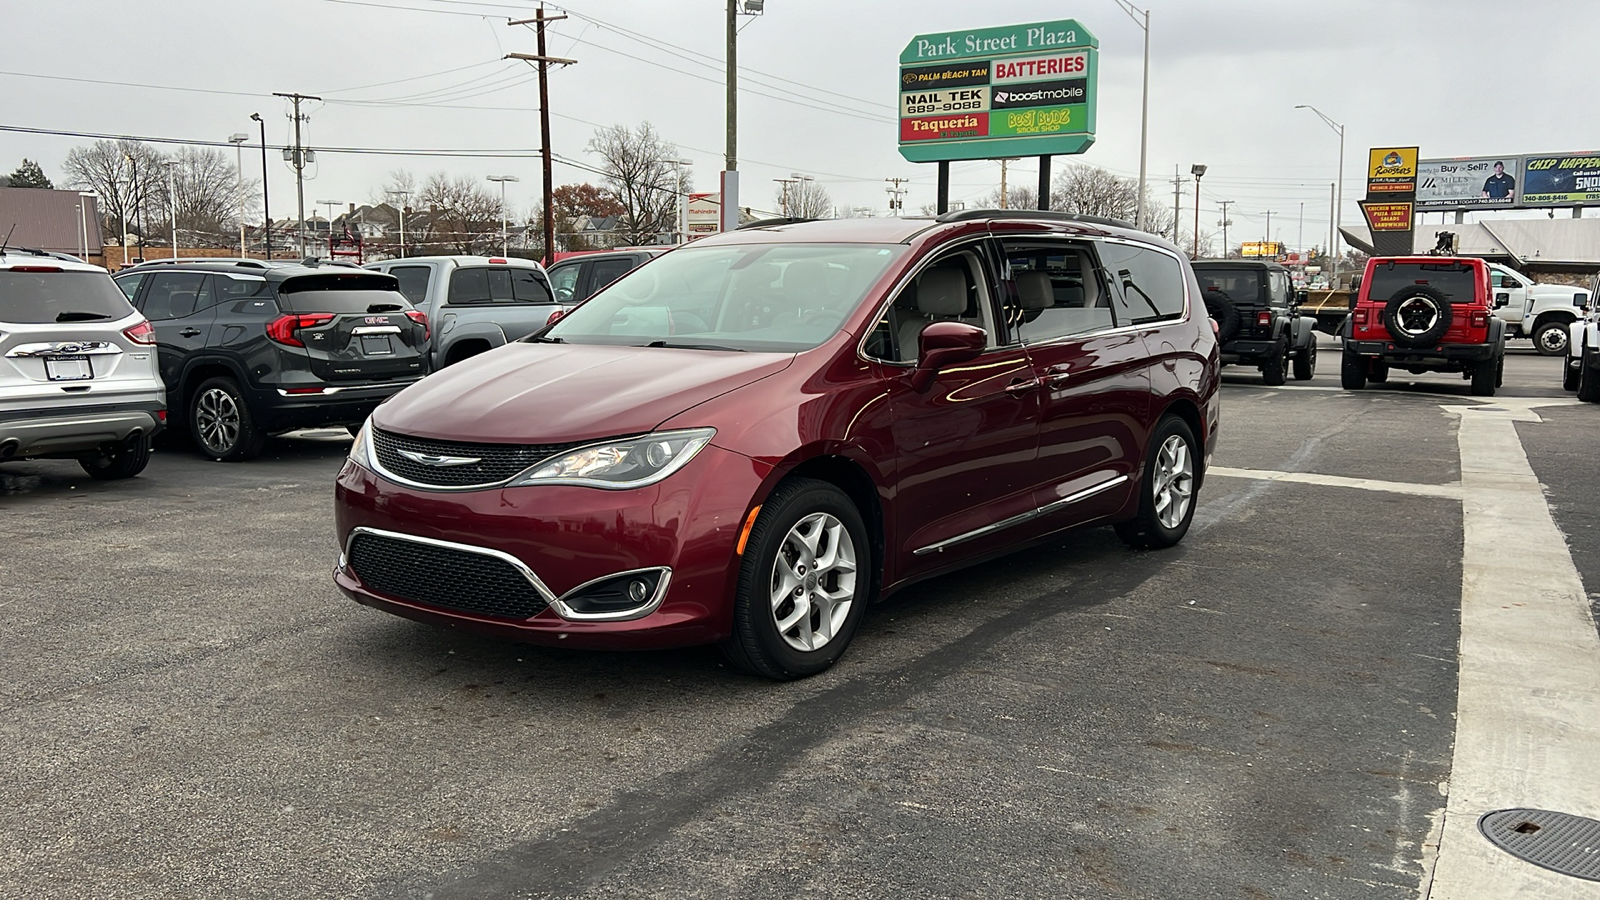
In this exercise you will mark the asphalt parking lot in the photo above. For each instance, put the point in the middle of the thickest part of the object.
(1269, 710)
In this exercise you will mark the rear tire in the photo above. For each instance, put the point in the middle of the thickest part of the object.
(1483, 378)
(1305, 365)
(1588, 379)
(1353, 371)
(125, 461)
(221, 423)
(1272, 371)
(803, 582)
(1378, 372)
(1569, 374)
(1167, 491)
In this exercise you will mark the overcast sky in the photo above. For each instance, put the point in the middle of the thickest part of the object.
(1457, 78)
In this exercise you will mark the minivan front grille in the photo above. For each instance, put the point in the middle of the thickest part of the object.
(491, 465)
(443, 576)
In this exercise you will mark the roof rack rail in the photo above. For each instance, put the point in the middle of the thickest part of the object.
(217, 260)
(773, 222)
(962, 215)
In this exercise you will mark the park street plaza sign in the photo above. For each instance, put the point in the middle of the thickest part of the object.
(1020, 90)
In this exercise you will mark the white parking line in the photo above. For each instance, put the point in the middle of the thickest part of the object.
(1528, 704)
(1528, 709)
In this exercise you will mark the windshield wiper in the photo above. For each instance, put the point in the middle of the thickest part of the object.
(541, 339)
(692, 346)
(80, 316)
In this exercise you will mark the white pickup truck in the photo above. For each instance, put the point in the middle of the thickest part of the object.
(1543, 312)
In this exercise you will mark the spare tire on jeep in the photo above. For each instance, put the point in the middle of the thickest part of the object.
(1221, 308)
(1417, 316)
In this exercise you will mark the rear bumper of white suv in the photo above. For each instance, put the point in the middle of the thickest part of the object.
(68, 431)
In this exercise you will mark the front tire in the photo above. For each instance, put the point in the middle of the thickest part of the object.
(1305, 365)
(1272, 371)
(803, 582)
(1588, 379)
(1551, 339)
(1483, 378)
(1569, 374)
(221, 423)
(124, 461)
(1353, 371)
(1167, 492)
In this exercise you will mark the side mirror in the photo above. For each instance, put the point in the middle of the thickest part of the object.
(945, 344)
(1302, 295)
(1501, 300)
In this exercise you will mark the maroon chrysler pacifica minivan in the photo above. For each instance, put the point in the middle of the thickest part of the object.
(747, 439)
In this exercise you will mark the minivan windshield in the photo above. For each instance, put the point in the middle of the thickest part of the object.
(772, 297)
(42, 297)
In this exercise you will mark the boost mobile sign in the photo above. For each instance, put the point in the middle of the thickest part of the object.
(1019, 90)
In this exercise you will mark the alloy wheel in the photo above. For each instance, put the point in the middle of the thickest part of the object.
(216, 420)
(813, 581)
(1416, 315)
(1173, 484)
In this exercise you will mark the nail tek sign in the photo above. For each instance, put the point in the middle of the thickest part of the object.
(1021, 90)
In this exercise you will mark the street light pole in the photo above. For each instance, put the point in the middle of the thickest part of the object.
(505, 245)
(237, 140)
(683, 202)
(266, 207)
(404, 196)
(1338, 197)
(1135, 13)
(1198, 171)
(172, 202)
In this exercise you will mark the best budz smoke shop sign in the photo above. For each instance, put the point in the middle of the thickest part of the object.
(1021, 90)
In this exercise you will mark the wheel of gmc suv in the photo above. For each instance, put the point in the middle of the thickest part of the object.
(1417, 316)
(803, 582)
(1166, 494)
(1353, 371)
(1305, 364)
(221, 422)
(1551, 338)
(123, 461)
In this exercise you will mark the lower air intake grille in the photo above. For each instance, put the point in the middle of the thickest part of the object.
(442, 576)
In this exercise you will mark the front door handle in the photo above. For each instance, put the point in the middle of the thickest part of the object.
(1057, 375)
(190, 332)
(1021, 386)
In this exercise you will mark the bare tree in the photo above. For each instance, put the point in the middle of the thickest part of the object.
(127, 175)
(639, 171)
(400, 181)
(803, 199)
(1017, 197)
(460, 215)
(207, 194)
(1093, 191)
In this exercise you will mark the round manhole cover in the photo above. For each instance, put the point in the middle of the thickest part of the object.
(1558, 841)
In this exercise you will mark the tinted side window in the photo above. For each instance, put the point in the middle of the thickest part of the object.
(130, 283)
(413, 281)
(1150, 282)
(1056, 291)
(173, 295)
(605, 271)
(526, 286)
(469, 286)
(231, 288)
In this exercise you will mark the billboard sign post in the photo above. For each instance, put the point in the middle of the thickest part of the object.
(988, 93)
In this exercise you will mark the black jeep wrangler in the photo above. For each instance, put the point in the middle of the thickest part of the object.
(1253, 303)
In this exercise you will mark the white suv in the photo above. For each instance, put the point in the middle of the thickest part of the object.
(78, 375)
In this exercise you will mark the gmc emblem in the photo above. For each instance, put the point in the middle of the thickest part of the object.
(377, 320)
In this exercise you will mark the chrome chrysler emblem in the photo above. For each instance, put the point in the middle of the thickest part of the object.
(440, 462)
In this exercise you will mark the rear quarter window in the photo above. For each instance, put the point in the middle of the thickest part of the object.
(38, 298)
(1150, 282)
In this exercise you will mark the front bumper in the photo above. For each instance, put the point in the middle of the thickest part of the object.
(565, 538)
(81, 429)
(1404, 356)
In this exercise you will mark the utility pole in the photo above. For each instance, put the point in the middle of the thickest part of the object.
(896, 204)
(1005, 201)
(299, 160)
(1225, 223)
(783, 204)
(540, 20)
(172, 203)
(1177, 201)
(1300, 242)
(1268, 213)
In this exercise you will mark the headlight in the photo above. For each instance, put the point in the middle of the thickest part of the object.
(361, 449)
(619, 465)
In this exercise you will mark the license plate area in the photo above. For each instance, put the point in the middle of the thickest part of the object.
(68, 368)
(376, 345)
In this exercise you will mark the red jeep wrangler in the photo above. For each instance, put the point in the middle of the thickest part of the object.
(1424, 314)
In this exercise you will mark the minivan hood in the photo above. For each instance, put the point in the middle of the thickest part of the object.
(557, 393)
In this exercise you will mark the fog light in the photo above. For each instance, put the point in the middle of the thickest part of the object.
(626, 595)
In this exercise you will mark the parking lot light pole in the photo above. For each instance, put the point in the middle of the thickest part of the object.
(1141, 17)
(237, 140)
(505, 246)
(1338, 197)
(404, 196)
(1198, 171)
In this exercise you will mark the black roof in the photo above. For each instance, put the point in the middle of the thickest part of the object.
(276, 270)
(1241, 263)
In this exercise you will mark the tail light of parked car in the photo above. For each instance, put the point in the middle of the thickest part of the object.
(1361, 316)
(1480, 319)
(1263, 318)
(283, 328)
(142, 333)
(555, 317)
(421, 318)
